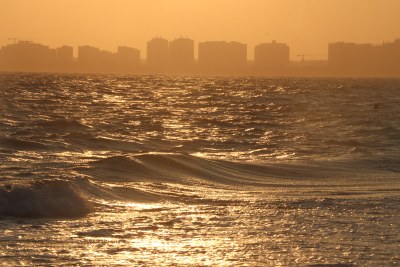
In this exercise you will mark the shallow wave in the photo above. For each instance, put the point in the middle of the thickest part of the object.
(62, 124)
(47, 198)
(184, 169)
(118, 168)
(173, 167)
(89, 141)
(18, 144)
(183, 178)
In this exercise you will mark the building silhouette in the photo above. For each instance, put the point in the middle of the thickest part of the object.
(27, 56)
(92, 59)
(214, 57)
(391, 56)
(107, 61)
(181, 53)
(65, 54)
(88, 57)
(64, 58)
(127, 59)
(128, 54)
(222, 57)
(365, 59)
(270, 55)
(157, 53)
(351, 57)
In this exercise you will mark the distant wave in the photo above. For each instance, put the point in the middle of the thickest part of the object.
(61, 124)
(171, 167)
(86, 140)
(18, 144)
(47, 198)
(184, 168)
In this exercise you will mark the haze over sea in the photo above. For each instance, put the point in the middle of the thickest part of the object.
(180, 170)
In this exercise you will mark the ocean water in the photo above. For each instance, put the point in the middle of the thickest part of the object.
(102, 170)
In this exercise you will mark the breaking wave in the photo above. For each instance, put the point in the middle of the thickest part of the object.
(47, 198)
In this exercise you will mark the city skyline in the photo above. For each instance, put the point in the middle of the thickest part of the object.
(177, 56)
(200, 133)
(196, 44)
(307, 25)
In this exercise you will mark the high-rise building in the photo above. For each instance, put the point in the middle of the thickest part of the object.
(354, 58)
(222, 56)
(93, 59)
(365, 59)
(88, 55)
(65, 54)
(28, 56)
(157, 52)
(273, 54)
(65, 58)
(129, 55)
(181, 52)
(391, 55)
(127, 59)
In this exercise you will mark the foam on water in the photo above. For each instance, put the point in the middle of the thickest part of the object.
(47, 198)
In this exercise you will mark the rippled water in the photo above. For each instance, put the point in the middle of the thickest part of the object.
(159, 170)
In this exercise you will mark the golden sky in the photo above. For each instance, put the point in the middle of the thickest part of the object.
(307, 26)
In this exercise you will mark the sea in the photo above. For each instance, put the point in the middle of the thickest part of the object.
(120, 170)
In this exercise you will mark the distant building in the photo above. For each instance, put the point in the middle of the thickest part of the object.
(365, 59)
(157, 52)
(129, 55)
(92, 59)
(222, 56)
(127, 59)
(89, 58)
(65, 54)
(64, 58)
(273, 54)
(351, 55)
(181, 52)
(27, 56)
(391, 55)
(88, 55)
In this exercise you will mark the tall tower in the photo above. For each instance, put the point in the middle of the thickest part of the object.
(271, 55)
(157, 52)
(181, 52)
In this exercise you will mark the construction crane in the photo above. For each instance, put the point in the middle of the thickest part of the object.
(302, 57)
(312, 56)
(15, 40)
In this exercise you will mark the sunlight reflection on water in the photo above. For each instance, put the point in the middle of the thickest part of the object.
(250, 232)
(199, 171)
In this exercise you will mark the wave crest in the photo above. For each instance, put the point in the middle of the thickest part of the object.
(171, 167)
(16, 143)
(48, 198)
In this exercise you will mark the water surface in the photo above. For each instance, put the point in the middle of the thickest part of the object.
(159, 170)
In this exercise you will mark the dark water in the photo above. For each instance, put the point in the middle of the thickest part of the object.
(157, 170)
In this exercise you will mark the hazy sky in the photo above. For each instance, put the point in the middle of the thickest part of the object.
(307, 26)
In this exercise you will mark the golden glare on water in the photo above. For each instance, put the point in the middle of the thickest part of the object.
(224, 234)
(162, 235)
(198, 171)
